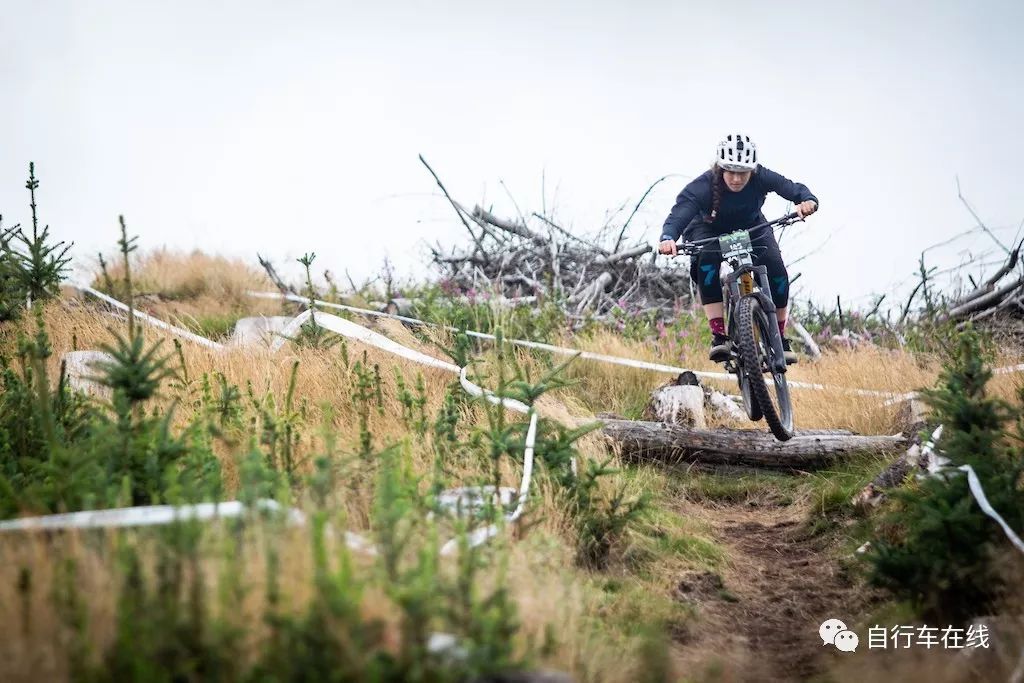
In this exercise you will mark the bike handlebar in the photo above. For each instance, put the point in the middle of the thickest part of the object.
(694, 246)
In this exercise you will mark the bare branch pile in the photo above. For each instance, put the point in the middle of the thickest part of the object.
(588, 276)
(1002, 292)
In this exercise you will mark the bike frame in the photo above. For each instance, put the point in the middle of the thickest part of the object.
(746, 279)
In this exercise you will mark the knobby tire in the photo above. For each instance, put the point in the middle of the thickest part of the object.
(752, 329)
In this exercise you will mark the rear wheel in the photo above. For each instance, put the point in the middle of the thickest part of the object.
(757, 357)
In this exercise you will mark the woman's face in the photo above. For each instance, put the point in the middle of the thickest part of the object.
(736, 180)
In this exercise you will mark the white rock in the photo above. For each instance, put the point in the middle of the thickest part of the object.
(724, 405)
(259, 330)
(79, 367)
(469, 500)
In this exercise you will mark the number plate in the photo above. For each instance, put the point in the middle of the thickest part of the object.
(735, 244)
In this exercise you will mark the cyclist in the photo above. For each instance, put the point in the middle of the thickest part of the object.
(726, 198)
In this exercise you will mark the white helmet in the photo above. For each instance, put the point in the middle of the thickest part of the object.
(737, 153)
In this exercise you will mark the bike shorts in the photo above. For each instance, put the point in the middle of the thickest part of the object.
(705, 268)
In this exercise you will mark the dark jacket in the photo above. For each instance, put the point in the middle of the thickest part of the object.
(736, 211)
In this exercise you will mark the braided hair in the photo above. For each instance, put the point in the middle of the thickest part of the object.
(717, 185)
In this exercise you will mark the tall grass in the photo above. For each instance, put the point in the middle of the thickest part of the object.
(360, 443)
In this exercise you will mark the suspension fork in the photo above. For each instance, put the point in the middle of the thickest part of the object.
(739, 284)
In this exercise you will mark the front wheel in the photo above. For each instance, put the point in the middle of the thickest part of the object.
(757, 357)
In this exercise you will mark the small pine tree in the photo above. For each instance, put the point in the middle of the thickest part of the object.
(312, 335)
(938, 549)
(31, 268)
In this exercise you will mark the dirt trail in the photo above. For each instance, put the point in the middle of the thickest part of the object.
(760, 622)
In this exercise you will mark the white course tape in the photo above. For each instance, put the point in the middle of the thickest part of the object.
(144, 515)
(482, 535)
(159, 515)
(155, 322)
(934, 460)
(341, 307)
(148, 515)
(1009, 369)
(351, 330)
(476, 390)
(986, 507)
(561, 350)
(899, 398)
(938, 463)
(510, 403)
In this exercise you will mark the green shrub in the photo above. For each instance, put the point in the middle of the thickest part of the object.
(62, 452)
(31, 268)
(601, 518)
(937, 549)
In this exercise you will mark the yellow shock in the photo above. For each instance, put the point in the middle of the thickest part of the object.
(746, 284)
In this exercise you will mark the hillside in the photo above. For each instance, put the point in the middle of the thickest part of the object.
(621, 572)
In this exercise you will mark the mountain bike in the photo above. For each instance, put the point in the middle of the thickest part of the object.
(755, 340)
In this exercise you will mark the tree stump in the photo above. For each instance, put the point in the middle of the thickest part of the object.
(682, 405)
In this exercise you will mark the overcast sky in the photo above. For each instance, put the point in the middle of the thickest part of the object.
(282, 127)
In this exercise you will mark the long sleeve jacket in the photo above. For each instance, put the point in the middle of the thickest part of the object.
(736, 210)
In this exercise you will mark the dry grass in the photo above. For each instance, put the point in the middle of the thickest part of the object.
(202, 292)
(592, 624)
(189, 275)
(626, 389)
(324, 385)
(553, 599)
(545, 585)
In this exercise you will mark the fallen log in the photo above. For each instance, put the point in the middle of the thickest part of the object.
(982, 302)
(813, 350)
(644, 441)
(623, 255)
(990, 283)
(892, 476)
(592, 292)
(801, 432)
(514, 227)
